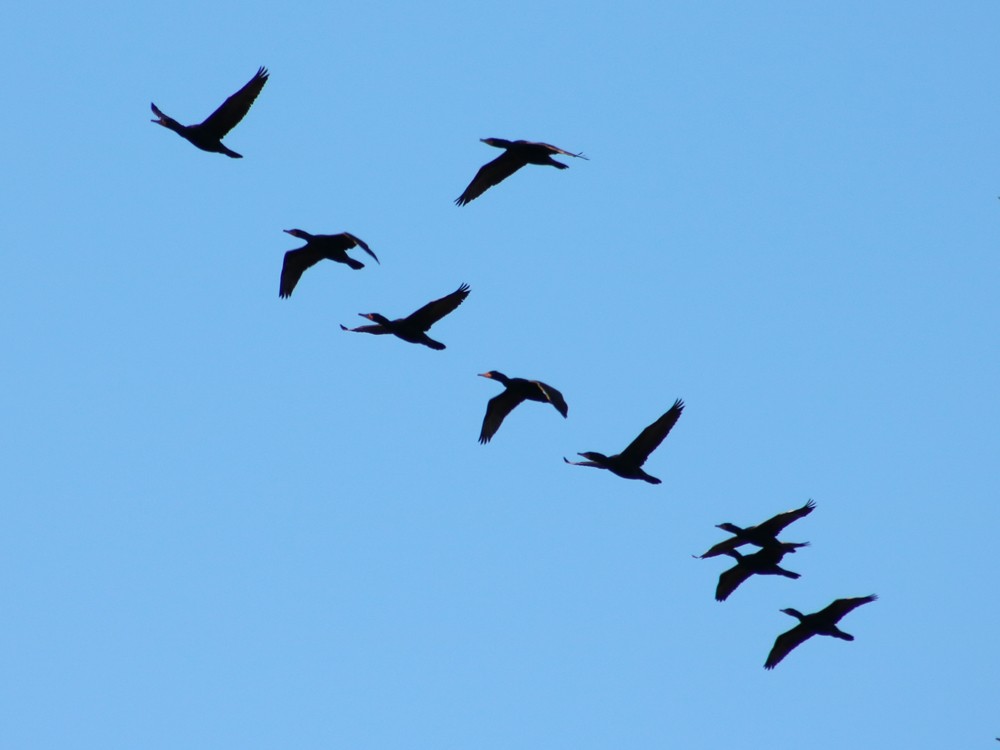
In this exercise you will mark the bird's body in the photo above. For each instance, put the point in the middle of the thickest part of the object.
(414, 327)
(762, 563)
(516, 155)
(763, 534)
(318, 247)
(208, 135)
(823, 622)
(628, 463)
(516, 390)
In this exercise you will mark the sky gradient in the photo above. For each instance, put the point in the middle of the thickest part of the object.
(229, 524)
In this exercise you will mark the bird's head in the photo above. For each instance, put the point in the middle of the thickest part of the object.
(792, 612)
(375, 318)
(732, 528)
(494, 375)
(594, 456)
(496, 142)
(302, 235)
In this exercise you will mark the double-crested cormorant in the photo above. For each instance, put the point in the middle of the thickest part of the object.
(414, 327)
(318, 247)
(823, 622)
(763, 563)
(628, 463)
(516, 155)
(516, 390)
(763, 534)
(208, 135)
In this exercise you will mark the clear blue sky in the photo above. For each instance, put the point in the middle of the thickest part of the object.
(228, 524)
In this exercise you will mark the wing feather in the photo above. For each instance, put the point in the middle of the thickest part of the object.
(490, 174)
(730, 580)
(432, 312)
(362, 244)
(553, 396)
(235, 108)
(775, 525)
(496, 411)
(785, 642)
(640, 448)
(295, 264)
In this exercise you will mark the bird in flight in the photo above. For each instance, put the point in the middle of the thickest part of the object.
(763, 534)
(762, 563)
(414, 327)
(318, 247)
(516, 155)
(628, 463)
(823, 622)
(515, 391)
(208, 135)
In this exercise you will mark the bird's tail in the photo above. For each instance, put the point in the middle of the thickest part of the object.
(355, 264)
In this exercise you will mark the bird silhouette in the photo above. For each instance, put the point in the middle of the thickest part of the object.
(414, 327)
(762, 563)
(628, 463)
(763, 534)
(515, 391)
(208, 135)
(823, 622)
(516, 155)
(318, 247)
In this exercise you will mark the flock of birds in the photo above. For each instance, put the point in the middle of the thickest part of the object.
(413, 328)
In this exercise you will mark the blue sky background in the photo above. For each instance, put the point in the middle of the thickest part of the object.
(228, 524)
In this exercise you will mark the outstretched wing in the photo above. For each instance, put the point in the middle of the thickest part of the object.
(723, 547)
(841, 607)
(785, 643)
(730, 580)
(496, 410)
(774, 526)
(640, 448)
(295, 264)
(234, 109)
(432, 312)
(556, 150)
(376, 329)
(489, 175)
(362, 244)
(553, 396)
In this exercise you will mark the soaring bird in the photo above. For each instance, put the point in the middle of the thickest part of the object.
(763, 563)
(516, 390)
(208, 135)
(823, 622)
(318, 247)
(516, 155)
(414, 327)
(628, 463)
(763, 534)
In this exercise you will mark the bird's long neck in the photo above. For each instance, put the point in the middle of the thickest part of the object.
(732, 528)
(794, 613)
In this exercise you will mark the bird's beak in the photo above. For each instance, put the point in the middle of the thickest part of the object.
(485, 375)
(288, 231)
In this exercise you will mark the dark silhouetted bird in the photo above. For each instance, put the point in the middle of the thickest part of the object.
(208, 135)
(516, 390)
(823, 622)
(516, 155)
(414, 327)
(318, 247)
(628, 463)
(763, 563)
(763, 534)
